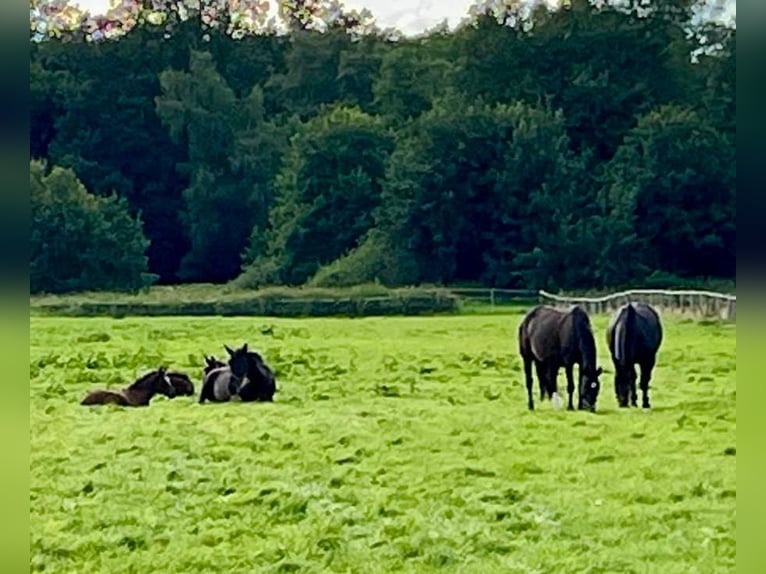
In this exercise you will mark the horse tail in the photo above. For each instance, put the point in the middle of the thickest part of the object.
(621, 333)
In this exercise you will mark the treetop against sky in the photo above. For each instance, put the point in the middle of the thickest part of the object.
(109, 18)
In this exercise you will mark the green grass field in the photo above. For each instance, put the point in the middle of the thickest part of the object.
(394, 445)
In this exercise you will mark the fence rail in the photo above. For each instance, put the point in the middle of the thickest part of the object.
(696, 303)
(493, 296)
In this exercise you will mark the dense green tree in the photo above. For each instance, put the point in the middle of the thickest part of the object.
(671, 193)
(81, 241)
(43, 109)
(520, 139)
(358, 68)
(460, 189)
(602, 65)
(231, 156)
(104, 127)
(327, 191)
(409, 80)
(718, 69)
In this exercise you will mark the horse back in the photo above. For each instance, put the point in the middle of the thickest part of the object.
(181, 383)
(261, 385)
(634, 333)
(540, 333)
(103, 397)
(648, 328)
(216, 384)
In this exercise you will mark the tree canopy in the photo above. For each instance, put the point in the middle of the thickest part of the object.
(587, 146)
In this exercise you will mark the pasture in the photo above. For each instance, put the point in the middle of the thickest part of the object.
(393, 445)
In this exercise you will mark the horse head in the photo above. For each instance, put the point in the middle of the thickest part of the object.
(239, 362)
(182, 384)
(589, 388)
(211, 363)
(161, 383)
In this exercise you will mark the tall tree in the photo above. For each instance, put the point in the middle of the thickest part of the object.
(671, 189)
(106, 130)
(412, 74)
(459, 192)
(328, 189)
(232, 153)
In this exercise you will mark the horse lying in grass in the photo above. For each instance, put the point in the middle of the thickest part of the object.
(181, 383)
(552, 338)
(136, 395)
(260, 383)
(634, 336)
(220, 383)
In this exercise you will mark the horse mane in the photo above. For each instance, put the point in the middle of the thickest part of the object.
(586, 339)
(144, 380)
(256, 360)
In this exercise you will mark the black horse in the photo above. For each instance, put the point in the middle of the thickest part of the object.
(551, 338)
(181, 383)
(261, 383)
(634, 336)
(220, 383)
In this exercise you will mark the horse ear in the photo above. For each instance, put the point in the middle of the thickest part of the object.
(228, 349)
(244, 348)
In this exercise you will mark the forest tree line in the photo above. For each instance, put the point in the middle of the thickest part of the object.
(582, 147)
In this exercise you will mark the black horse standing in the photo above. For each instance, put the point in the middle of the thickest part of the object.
(552, 338)
(634, 336)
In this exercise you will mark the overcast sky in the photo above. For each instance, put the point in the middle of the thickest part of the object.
(412, 16)
(409, 16)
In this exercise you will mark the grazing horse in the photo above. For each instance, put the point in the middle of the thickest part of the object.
(220, 383)
(552, 338)
(261, 384)
(136, 395)
(634, 336)
(181, 383)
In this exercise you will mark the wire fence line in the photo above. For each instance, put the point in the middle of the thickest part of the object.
(707, 304)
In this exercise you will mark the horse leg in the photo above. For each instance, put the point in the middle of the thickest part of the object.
(568, 369)
(633, 394)
(542, 379)
(646, 375)
(618, 377)
(529, 382)
(552, 374)
(204, 394)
